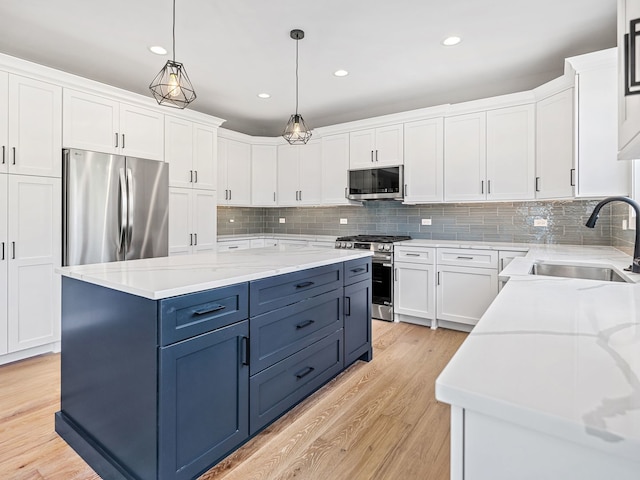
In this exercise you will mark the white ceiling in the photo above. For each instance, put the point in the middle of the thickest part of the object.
(235, 49)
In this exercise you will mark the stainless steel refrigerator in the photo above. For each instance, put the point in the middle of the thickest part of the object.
(114, 208)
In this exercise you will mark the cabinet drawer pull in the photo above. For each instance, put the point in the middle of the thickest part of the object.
(214, 308)
(412, 254)
(304, 284)
(358, 270)
(232, 247)
(304, 372)
(464, 258)
(305, 324)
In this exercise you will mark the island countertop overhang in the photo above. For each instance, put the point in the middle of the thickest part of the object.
(163, 277)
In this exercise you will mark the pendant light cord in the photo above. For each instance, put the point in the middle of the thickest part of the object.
(174, 30)
(297, 41)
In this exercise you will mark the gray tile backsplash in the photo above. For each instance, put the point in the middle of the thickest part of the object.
(505, 222)
(621, 239)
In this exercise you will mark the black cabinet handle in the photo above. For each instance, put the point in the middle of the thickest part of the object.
(13, 248)
(2, 250)
(123, 141)
(537, 184)
(190, 176)
(116, 134)
(211, 309)
(3, 148)
(195, 236)
(245, 350)
(305, 324)
(303, 373)
(14, 154)
(304, 284)
(572, 180)
(196, 172)
(464, 258)
(191, 239)
(347, 306)
(358, 270)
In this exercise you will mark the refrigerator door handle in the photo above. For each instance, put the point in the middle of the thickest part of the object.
(130, 197)
(122, 211)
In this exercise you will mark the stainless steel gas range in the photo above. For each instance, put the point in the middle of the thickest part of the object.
(382, 267)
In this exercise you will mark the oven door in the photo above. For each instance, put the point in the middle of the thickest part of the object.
(382, 288)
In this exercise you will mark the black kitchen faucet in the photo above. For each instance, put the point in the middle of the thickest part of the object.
(635, 263)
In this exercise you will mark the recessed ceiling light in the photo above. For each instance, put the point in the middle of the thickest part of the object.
(341, 73)
(158, 50)
(450, 41)
(264, 95)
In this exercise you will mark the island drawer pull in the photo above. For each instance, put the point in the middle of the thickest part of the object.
(304, 284)
(304, 372)
(305, 324)
(358, 270)
(214, 308)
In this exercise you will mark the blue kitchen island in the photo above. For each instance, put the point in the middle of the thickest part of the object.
(170, 364)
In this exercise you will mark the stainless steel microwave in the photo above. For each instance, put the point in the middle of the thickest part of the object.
(386, 183)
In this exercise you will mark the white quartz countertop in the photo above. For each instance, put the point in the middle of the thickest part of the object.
(557, 355)
(157, 278)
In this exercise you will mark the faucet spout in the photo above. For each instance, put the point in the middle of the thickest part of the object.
(635, 264)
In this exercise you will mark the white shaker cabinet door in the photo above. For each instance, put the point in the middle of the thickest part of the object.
(205, 150)
(389, 146)
(35, 127)
(179, 151)
(361, 149)
(310, 173)
(415, 290)
(288, 174)
(4, 261)
(554, 146)
(4, 122)
(34, 221)
(204, 220)
(239, 173)
(335, 169)
(465, 157)
(264, 175)
(90, 122)
(511, 153)
(180, 221)
(424, 160)
(142, 132)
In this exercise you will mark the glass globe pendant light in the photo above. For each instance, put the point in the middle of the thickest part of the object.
(172, 86)
(296, 131)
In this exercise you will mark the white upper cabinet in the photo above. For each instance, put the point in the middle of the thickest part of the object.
(299, 174)
(555, 174)
(234, 172)
(376, 147)
(191, 150)
(424, 160)
(465, 157)
(30, 126)
(599, 173)
(264, 175)
(628, 104)
(335, 169)
(92, 122)
(511, 153)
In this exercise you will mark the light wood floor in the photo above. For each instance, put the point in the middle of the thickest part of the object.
(377, 420)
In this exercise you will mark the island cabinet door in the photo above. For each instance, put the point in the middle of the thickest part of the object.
(203, 401)
(357, 321)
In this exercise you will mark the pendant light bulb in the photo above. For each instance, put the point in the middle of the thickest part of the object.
(172, 86)
(296, 131)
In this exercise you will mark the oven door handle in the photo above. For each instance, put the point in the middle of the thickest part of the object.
(387, 265)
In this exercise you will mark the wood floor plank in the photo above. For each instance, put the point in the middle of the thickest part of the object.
(377, 420)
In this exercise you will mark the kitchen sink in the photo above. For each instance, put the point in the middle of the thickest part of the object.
(606, 274)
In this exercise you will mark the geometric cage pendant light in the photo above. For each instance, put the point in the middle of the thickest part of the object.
(172, 87)
(296, 131)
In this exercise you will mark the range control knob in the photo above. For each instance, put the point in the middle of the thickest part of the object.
(381, 247)
(387, 248)
(349, 245)
(343, 244)
(337, 245)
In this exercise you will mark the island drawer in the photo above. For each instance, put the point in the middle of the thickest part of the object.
(357, 270)
(276, 292)
(279, 387)
(466, 257)
(276, 335)
(189, 315)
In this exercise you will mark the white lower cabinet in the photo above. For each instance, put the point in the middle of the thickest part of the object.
(467, 283)
(192, 220)
(414, 297)
(230, 246)
(30, 235)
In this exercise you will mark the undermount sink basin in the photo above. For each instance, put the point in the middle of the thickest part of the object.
(576, 271)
